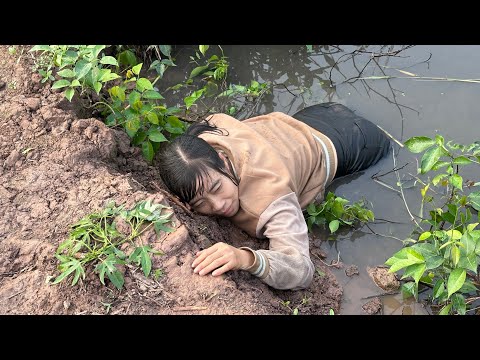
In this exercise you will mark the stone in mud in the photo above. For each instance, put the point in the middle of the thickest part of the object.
(383, 279)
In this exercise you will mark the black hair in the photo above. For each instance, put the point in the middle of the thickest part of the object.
(185, 161)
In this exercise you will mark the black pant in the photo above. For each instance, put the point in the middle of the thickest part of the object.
(358, 142)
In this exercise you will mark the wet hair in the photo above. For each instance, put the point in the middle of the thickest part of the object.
(185, 162)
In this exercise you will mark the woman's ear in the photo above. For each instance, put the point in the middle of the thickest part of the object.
(223, 157)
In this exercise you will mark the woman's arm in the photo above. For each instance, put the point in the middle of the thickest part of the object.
(287, 264)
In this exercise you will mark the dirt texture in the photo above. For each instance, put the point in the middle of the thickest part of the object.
(384, 279)
(58, 164)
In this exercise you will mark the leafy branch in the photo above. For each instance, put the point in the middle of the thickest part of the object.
(96, 240)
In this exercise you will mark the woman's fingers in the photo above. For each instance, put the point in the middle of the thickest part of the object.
(227, 267)
(212, 265)
(214, 257)
(201, 255)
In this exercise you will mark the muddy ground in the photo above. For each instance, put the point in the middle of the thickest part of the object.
(58, 164)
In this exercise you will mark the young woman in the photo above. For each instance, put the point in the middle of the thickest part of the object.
(262, 173)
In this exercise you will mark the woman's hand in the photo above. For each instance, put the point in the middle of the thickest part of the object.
(220, 258)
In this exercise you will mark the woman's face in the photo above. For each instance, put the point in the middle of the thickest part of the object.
(220, 196)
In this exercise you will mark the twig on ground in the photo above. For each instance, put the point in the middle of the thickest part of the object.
(11, 296)
(386, 185)
(390, 136)
(388, 236)
(379, 295)
(401, 188)
(333, 263)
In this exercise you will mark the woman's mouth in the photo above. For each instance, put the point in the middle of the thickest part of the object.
(227, 211)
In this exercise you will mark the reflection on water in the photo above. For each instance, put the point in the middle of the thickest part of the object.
(396, 305)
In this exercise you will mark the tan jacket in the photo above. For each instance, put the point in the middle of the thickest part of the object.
(283, 165)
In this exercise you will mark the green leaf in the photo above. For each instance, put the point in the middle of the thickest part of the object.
(432, 262)
(418, 144)
(153, 118)
(311, 209)
(66, 73)
(424, 236)
(462, 160)
(445, 310)
(458, 302)
(415, 271)
(454, 234)
(137, 68)
(198, 70)
(190, 100)
(333, 225)
(160, 227)
(145, 260)
(472, 226)
(68, 268)
(168, 62)
(156, 136)
(69, 93)
(455, 254)
(116, 277)
(468, 262)
(107, 75)
(469, 242)
(414, 255)
(165, 49)
(97, 87)
(430, 158)
(109, 60)
(474, 199)
(439, 140)
(128, 58)
(437, 178)
(400, 264)
(144, 84)
(409, 289)
(147, 151)
(438, 289)
(41, 48)
(440, 164)
(134, 97)
(456, 180)
(139, 137)
(82, 68)
(468, 288)
(203, 49)
(132, 125)
(456, 280)
(60, 84)
(152, 94)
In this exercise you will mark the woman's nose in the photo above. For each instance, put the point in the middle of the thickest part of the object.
(217, 204)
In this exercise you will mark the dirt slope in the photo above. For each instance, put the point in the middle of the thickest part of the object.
(56, 167)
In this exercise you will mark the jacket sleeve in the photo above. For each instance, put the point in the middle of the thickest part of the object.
(287, 263)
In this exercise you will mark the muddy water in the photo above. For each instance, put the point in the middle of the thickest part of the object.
(402, 106)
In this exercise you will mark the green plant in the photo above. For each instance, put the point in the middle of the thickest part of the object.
(95, 240)
(76, 66)
(254, 90)
(445, 254)
(215, 70)
(336, 211)
(134, 106)
(287, 305)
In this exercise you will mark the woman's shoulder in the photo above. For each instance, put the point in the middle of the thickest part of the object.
(220, 118)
